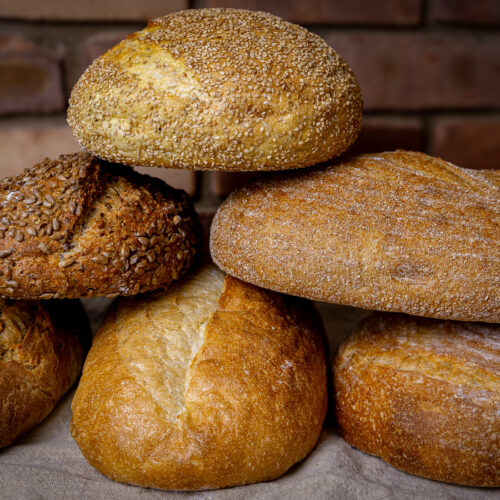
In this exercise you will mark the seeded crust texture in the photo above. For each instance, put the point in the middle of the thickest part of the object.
(211, 383)
(424, 395)
(218, 89)
(397, 231)
(41, 354)
(76, 227)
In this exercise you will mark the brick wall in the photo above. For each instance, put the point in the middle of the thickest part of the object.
(429, 72)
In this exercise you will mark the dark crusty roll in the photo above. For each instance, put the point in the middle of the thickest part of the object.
(41, 354)
(76, 227)
(397, 231)
(424, 395)
(220, 89)
(211, 383)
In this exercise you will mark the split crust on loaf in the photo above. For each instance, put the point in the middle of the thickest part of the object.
(228, 386)
(397, 231)
(424, 395)
(218, 89)
(41, 354)
(78, 227)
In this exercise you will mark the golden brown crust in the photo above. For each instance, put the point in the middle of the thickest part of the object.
(218, 89)
(41, 354)
(253, 392)
(397, 231)
(76, 227)
(424, 396)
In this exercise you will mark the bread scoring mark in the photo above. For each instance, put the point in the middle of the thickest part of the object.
(175, 322)
(154, 67)
(14, 325)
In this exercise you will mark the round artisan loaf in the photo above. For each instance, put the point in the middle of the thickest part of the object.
(211, 383)
(75, 227)
(424, 395)
(217, 89)
(41, 355)
(397, 231)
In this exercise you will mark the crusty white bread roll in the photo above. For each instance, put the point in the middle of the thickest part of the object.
(218, 89)
(211, 383)
(398, 231)
(424, 395)
(42, 346)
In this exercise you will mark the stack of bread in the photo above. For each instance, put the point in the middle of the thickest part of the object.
(216, 380)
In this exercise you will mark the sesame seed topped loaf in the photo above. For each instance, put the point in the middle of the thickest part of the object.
(423, 395)
(211, 383)
(77, 227)
(42, 347)
(397, 231)
(219, 89)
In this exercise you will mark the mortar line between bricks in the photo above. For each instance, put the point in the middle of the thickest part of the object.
(424, 12)
(425, 26)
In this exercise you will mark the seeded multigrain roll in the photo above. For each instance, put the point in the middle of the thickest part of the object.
(423, 395)
(76, 227)
(211, 383)
(398, 231)
(219, 89)
(42, 346)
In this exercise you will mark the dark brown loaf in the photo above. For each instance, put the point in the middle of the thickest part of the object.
(211, 383)
(41, 354)
(424, 395)
(76, 227)
(397, 231)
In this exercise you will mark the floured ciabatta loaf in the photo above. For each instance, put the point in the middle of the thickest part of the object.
(41, 355)
(212, 383)
(217, 89)
(74, 227)
(424, 395)
(398, 231)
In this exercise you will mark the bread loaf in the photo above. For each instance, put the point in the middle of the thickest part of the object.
(423, 395)
(211, 383)
(219, 89)
(41, 355)
(77, 227)
(397, 231)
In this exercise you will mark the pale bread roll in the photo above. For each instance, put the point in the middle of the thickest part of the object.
(398, 231)
(217, 89)
(210, 384)
(424, 395)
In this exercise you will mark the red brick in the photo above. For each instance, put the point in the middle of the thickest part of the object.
(89, 10)
(411, 71)
(386, 12)
(30, 78)
(23, 146)
(180, 179)
(386, 134)
(484, 12)
(470, 142)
